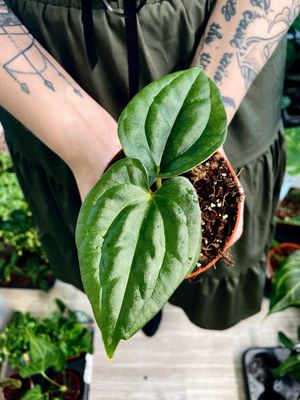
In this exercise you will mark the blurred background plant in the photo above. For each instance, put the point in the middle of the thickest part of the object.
(21, 256)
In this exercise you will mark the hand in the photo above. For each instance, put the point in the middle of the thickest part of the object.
(95, 144)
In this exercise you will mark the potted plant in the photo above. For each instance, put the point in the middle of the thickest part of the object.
(277, 254)
(287, 217)
(42, 356)
(22, 261)
(274, 372)
(139, 231)
(15, 386)
(51, 351)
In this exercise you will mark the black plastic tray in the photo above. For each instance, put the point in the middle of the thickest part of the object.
(258, 363)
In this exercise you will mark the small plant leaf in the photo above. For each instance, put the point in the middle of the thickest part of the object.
(286, 284)
(286, 341)
(174, 123)
(43, 355)
(289, 366)
(35, 394)
(135, 247)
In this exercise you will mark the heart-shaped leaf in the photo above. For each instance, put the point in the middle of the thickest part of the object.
(135, 247)
(286, 284)
(174, 123)
(43, 355)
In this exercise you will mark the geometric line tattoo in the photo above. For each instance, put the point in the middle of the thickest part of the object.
(21, 63)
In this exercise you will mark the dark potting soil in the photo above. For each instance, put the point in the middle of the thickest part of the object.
(218, 196)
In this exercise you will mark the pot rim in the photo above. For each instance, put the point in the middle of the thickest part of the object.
(229, 241)
(274, 249)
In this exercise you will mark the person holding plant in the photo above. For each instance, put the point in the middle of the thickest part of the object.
(64, 81)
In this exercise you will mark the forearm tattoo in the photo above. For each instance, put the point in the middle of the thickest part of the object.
(25, 58)
(254, 51)
(204, 60)
(213, 33)
(228, 10)
(263, 4)
(229, 102)
(222, 67)
(248, 51)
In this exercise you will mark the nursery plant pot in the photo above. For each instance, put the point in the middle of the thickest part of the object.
(277, 254)
(220, 196)
(258, 363)
(220, 187)
(287, 217)
(73, 382)
(16, 394)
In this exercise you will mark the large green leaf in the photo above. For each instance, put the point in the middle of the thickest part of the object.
(286, 284)
(43, 355)
(174, 123)
(135, 247)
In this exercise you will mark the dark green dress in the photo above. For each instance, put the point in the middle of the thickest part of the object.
(169, 31)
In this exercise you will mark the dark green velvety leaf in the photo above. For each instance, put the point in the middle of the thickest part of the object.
(174, 123)
(286, 284)
(35, 394)
(43, 355)
(135, 247)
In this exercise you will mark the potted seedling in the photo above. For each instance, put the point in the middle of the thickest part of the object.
(278, 254)
(287, 217)
(42, 356)
(274, 372)
(52, 351)
(22, 261)
(139, 232)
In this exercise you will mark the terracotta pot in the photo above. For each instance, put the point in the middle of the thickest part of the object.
(17, 394)
(277, 254)
(230, 239)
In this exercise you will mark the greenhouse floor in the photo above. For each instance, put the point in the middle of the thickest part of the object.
(181, 362)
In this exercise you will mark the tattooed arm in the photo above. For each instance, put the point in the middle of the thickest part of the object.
(240, 37)
(39, 93)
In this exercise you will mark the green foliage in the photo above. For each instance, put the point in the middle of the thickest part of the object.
(21, 255)
(174, 123)
(137, 243)
(290, 366)
(292, 140)
(16, 225)
(143, 251)
(42, 355)
(35, 394)
(67, 329)
(286, 284)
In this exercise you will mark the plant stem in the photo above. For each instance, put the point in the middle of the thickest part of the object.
(51, 380)
(158, 183)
